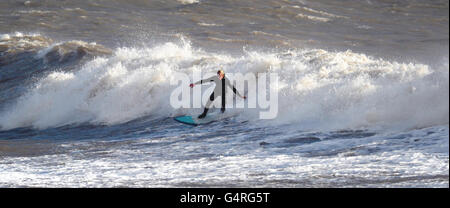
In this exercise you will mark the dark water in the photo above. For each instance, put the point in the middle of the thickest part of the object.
(413, 29)
(85, 85)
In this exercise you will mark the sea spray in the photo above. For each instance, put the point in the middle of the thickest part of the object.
(317, 88)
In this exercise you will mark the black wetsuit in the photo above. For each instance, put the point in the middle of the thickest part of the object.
(219, 90)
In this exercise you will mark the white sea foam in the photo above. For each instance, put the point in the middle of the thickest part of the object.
(5, 37)
(209, 24)
(317, 88)
(188, 1)
(314, 18)
(19, 40)
(395, 163)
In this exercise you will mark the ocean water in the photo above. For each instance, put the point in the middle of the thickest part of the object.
(363, 93)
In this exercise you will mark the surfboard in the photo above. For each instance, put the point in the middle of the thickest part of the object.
(186, 120)
(194, 121)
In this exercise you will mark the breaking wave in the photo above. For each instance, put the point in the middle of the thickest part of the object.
(317, 88)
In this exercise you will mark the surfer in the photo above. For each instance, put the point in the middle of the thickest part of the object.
(220, 80)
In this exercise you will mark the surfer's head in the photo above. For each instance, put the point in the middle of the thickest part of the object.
(221, 74)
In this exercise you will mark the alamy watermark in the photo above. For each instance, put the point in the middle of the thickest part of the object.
(261, 92)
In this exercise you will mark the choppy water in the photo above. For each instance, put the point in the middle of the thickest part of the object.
(363, 93)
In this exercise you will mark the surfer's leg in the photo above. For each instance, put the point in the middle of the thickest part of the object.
(223, 104)
(211, 99)
(205, 111)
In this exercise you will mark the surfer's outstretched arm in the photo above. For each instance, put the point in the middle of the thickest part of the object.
(227, 81)
(211, 79)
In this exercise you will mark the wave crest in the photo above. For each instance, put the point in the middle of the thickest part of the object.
(317, 88)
